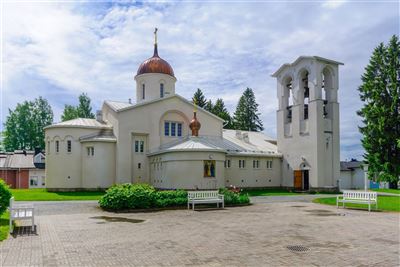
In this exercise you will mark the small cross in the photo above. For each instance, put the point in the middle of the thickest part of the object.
(155, 35)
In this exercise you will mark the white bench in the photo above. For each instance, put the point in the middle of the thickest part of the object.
(203, 197)
(358, 197)
(21, 212)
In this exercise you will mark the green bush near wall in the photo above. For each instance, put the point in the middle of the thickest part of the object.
(144, 196)
(5, 195)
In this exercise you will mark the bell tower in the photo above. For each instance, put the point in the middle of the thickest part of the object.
(308, 123)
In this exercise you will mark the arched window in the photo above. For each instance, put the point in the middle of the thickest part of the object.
(143, 91)
(327, 87)
(161, 90)
(306, 93)
(289, 98)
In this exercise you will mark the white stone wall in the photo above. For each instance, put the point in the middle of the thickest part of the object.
(152, 83)
(39, 175)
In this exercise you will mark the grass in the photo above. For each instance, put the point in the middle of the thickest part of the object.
(269, 192)
(41, 194)
(392, 191)
(386, 203)
(4, 225)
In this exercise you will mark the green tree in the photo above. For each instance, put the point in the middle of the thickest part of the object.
(69, 113)
(83, 110)
(246, 116)
(24, 125)
(220, 110)
(199, 98)
(380, 92)
(209, 106)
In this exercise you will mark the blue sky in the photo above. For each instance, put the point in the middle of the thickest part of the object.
(58, 50)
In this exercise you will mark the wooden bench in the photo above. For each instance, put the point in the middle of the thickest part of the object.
(21, 212)
(358, 197)
(203, 197)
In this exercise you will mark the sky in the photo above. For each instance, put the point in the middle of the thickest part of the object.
(59, 49)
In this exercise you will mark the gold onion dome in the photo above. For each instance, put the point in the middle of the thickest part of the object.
(155, 64)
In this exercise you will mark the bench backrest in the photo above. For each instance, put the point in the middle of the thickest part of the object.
(359, 195)
(202, 194)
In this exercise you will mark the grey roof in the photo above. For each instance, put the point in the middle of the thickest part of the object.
(122, 106)
(275, 74)
(104, 135)
(81, 123)
(256, 145)
(350, 165)
(17, 160)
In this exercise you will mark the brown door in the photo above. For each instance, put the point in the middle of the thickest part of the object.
(298, 183)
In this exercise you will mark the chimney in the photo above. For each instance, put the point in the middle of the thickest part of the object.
(246, 137)
(195, 125)
(238, 134)
(99, 116)
(37, 150)
(130, 101)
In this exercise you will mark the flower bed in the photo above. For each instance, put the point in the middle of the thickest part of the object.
(144, 196)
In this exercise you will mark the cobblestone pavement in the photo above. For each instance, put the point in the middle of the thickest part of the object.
(257, 235)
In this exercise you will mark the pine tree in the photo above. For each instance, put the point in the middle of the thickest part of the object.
(380, 92)
(199, 98)
(220, 110)
(83, 110)
(246, 116)
(209, 106)
(24, 125)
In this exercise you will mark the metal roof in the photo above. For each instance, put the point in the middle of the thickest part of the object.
(102, 136)
(232, 143)
(350, 165)
(81, 123)
(17, 160)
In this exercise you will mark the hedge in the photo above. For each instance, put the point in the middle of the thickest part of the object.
(5, 195)
(144, 196)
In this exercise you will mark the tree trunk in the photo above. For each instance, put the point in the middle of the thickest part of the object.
(393, 185)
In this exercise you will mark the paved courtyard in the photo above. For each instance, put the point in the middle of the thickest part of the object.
(257, 235)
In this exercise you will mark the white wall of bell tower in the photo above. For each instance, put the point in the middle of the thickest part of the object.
(308, 123)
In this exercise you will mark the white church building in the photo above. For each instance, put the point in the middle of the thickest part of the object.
(165, 140)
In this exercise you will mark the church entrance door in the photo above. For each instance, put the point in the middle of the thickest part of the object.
(298, 181)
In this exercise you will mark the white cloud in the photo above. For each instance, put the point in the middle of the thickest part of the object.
(63, 49)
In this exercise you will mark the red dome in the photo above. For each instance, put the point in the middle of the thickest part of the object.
(155, 64)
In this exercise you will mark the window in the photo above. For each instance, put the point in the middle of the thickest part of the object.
(143, 91)
(179, 129)
(48, 147)
(141, 146)
(33, 181)
(166, 128)
(256, 164)
(269, 164)
(161, 90)
(172, 128)
(69, 146)
(57, 146)
(90, 151)
(209, 168)
(139, 165)
(242, 163)
(136, 146)
(227, 163)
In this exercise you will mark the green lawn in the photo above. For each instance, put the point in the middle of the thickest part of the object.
(392, 191)
(4, 223)
(387, 203)
(269, 192)
(43, 195)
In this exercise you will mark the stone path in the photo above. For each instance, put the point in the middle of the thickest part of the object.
(256, 235)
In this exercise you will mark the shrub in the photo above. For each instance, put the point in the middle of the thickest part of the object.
(171, 198)
(5, 195)
(128, 196)
(231, 197)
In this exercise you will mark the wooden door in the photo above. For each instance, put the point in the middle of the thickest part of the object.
(298, 181)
